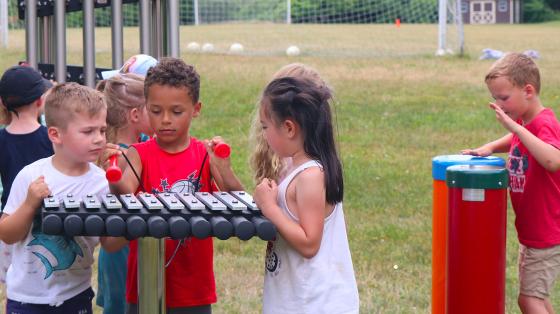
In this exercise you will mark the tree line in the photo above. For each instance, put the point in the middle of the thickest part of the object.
(308, 11)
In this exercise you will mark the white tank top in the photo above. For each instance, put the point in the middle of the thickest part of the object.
(324, 283)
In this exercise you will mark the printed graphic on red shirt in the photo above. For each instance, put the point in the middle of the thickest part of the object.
(517, 167)
(187, 185)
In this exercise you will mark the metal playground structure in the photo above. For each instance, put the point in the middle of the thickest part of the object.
(149, 218)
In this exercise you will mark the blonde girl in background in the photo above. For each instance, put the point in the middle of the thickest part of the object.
(127, 123)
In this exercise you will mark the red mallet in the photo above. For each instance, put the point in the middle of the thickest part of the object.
(113, 173)
(222, 150)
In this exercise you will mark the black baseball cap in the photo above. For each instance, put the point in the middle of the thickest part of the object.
(22, 85)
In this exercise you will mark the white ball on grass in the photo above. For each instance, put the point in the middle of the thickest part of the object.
(293, 51)
(193, 46)
(207, 47)
(236, 48)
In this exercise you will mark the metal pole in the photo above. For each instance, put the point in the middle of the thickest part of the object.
(31, 32)
(89, 43)
(60, 32)
(52, 39)
(460, 27)
(117, 33)
(145, 27)
(196, 12)
(151, 251)
(151, 276)
(442, 27)
(46, 39)
(4, 23)
(42, 41)
(288, 12)
(173, 33)
(157, 30)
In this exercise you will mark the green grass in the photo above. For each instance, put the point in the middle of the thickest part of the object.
(397, 107)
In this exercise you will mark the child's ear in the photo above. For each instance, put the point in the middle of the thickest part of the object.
(54, 135)
(39, 102)
(134, 115)
(290, 127)
(197, 108)
(529, 90)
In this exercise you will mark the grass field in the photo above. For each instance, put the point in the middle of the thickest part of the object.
(395, 111)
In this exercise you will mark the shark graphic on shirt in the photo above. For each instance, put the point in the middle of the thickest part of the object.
(64, 249)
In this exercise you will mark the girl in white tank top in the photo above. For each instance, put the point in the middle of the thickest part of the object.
(309, 266)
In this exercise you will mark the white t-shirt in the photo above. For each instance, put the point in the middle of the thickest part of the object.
(324, 283)
(51, 269)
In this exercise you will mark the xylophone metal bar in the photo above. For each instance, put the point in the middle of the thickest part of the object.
(175, 215)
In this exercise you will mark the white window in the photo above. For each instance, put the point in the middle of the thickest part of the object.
(502, 5)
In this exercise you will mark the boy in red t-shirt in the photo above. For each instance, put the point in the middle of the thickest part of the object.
(170, 162)
(533, 163)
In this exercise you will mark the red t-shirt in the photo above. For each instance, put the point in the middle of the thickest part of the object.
(190, 276)
(534, 191)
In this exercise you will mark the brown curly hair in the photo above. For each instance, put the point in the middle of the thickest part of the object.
(174, 72)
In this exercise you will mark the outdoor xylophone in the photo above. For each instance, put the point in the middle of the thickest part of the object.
(176, 215)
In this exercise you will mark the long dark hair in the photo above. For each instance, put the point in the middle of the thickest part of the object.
(308, 104)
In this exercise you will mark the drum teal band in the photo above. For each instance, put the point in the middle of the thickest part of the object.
(441, 163)
(477, 177)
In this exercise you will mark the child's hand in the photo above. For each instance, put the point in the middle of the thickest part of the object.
(37, 191)
(218, 161)
(265, 196)
(110, 150)
(504, 118)
(482, 151)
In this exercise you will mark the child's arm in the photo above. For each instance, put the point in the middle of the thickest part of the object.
(113, 244)
(128, 182)
(221, 168)
(15, 227)
(546, 155)
(500, 145)
(305, 236)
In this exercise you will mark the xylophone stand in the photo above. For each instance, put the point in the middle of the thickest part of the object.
(151, 275)
(151, 218)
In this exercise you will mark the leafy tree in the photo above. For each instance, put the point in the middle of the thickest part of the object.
(554, 4)
(535, 11)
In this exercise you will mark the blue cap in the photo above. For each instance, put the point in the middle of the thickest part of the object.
(440, 163)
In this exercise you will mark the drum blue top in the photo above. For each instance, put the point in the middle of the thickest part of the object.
(440, 163)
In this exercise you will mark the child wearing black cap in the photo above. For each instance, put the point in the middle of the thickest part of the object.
(24, 140)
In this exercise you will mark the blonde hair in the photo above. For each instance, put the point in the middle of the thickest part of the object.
(66, 100)
(518, 68)
(123, 92)
(263, 161)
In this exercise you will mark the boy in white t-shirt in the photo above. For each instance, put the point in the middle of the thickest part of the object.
(52, 274)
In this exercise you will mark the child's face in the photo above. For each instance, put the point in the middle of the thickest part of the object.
(171, 110)
(274, 134)
(83, 140)
(510, 98)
